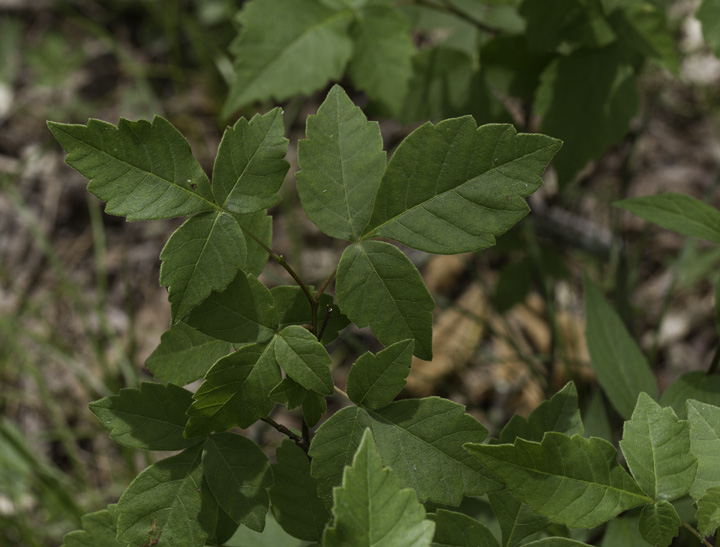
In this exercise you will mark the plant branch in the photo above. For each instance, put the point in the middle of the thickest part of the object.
(697, 535)
(325, 285)
(328, 312)
(341, 392)
(300, 441)
(448, 7)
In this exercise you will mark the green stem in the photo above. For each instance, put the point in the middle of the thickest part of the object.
(325, 285)
(341, 392)
(703, 541)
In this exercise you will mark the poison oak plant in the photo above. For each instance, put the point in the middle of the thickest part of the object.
(379, 471)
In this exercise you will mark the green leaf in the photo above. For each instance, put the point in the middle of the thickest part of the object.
(452, 187)
(243, 312)
(260, 225)
(375, 380)
(341, 164)
(371, 507)
(556, 542)
(295, 502)
(250, 165)
(377, 285)
(621, 368)
(294, 309)
(99, 528)
(289, 392)
(313, 407)
(595, 418)
(656, 446)
(457, 530)
(678, 212)
(517, 521)
(709, 16)
(164, 502)
(381, 64)
(272, 536)
(236, 391)
(203, 255)
(644, 27)
(708, 512)
(692, 385)
(142, 170)
(218, 525)
(417, 438)
(278, 57)
(184, 355)
(570, 480)
(560, 413)
(304, 359)
(704, 445)
(597, 86)
(623, 530)
(659, 523)
(150, 418)
(238, 474)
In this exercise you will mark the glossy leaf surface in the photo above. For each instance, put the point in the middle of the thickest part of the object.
(238, 475)
(452, 187)
(656, 446)
(185, 354)
(375, 380)
(150, 418)
(236, 391)
(372, 508)
(570, 480)
(295, 502)
(250, 165)
(304, 359)
(142, 170)
(341, 163)
(164, 501)
(622, 369)
(419, 439)
(560, 413)
(272, 54)
(203, 255)
(241, 313)
(377, 285)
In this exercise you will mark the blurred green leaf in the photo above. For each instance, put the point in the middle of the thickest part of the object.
(709, 16)
(595, 418)
(621, 368)
(372, 508)
(143, 170)
(236, 391)
(560, 413)
(416, 438)
(238, 474)
(278, 57)
(458, 530)
(183, 344)
(377, 285)
(341, 163)
(692, 385)
(659, 523)
(597, 86)
(453, 187)
(704, 445)
(656, 446)
(708, 511)
(99, 528)
(250, 165)
(570, 480)
(243, 312)
(203, 255)
(295, 502)
(512, 66)
(381, 64)
(623, 530)
(517, 521)
(150, 418)
(678, 212)
(375, 380)
(556, 542)
(164, 501)
(304, 359)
